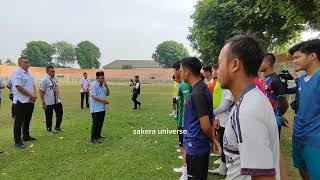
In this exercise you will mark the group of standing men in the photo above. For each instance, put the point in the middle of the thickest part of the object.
(247, 113)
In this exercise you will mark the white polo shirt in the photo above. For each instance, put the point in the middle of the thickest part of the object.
(84, 84)
(50, 88)
(24, 79)
(251, 140)
(1, 86)
(224, 117)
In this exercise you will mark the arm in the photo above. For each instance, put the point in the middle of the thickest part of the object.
(42, 91)
(223, 107)
(206, 126)
(97, 98)
(24, 92)
(106, 85)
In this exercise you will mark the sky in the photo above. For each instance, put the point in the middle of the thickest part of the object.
(122, 29)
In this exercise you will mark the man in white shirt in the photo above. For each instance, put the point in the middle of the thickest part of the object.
(50, 97)
(84, 91)
(9, 86)
(24, 97)
(251, 142)
(1, 87)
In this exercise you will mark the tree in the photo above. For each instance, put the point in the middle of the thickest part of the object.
(0, 61)
(215, 21)
(169, 52)
(39, 53)
(9, 62)
(65, 53)
(127, 66)
(88, 55)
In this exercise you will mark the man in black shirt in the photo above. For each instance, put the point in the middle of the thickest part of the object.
(136, 91)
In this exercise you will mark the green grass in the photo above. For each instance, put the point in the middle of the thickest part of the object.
(122, 155)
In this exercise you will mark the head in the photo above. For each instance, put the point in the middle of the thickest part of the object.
(306, 54)
(207, 72)
(50, 71)
(176, 70)
(23, 62)
(190, 69)
(240, 58)
(100, 76)
(214, 72)
(268, 62)
(85, 75)
(136, 78)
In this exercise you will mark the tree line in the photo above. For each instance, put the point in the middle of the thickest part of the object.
(61, 54)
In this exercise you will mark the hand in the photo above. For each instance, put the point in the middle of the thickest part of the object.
(44, 106)
(285, 122)
(105, 83)
(216, 124)
(33, 99)
(106, 101)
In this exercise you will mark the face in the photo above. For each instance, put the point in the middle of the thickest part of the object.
(184, 73)
(51, 72)
(264, 65)
(177, 74)
(301, 60)
(100, 79)
(24, 64)
(85, 76)
(214, 73)
(227, 67)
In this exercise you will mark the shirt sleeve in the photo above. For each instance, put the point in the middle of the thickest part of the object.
(43, 85)
(200, 105)
(1, 84)
(17, 80)
(255, 143)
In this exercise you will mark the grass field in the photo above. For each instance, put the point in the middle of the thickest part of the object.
(122, 155)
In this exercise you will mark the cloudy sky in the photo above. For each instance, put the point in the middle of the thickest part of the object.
(122, 29)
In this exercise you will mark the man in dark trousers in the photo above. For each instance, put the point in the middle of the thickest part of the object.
(49, 94)
(24, 94)
(98, 93)
(84, 91)
(136, 91)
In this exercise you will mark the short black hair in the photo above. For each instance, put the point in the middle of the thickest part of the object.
(307, 47)
(49, 67)
(173, 77)
(208, 69)
(84, 73)
(193, 64)
(99, 73)
(271, 58)
(136, 76)
(249, 50)
(23, 57)
(176, 65)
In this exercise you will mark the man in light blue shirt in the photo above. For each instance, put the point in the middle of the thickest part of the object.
(99, 90)
(306, 129)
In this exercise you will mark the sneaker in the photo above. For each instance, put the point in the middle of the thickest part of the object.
(180, 157)
(180, 170)
(59, 129)
(221, 170)
(102, 137)
(178, 150)
(29, 139)
(184, 176)
(20, 146)
(217, 162)
(172, 114)
(50, 133)
(215, 155)
(96, 141)
(175, 115)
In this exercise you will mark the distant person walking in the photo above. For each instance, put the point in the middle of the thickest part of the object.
(50, 97)
(136, 92)
(1, 87)
(9, 86)
(24, 94)
(84, 91)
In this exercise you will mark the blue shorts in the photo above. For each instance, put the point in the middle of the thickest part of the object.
(306, 158)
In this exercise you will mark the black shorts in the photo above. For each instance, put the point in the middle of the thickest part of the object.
(197, 166)
(180, 134)
(174, 101)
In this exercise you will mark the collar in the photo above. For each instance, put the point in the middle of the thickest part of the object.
(21, 70)
(247, 89)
